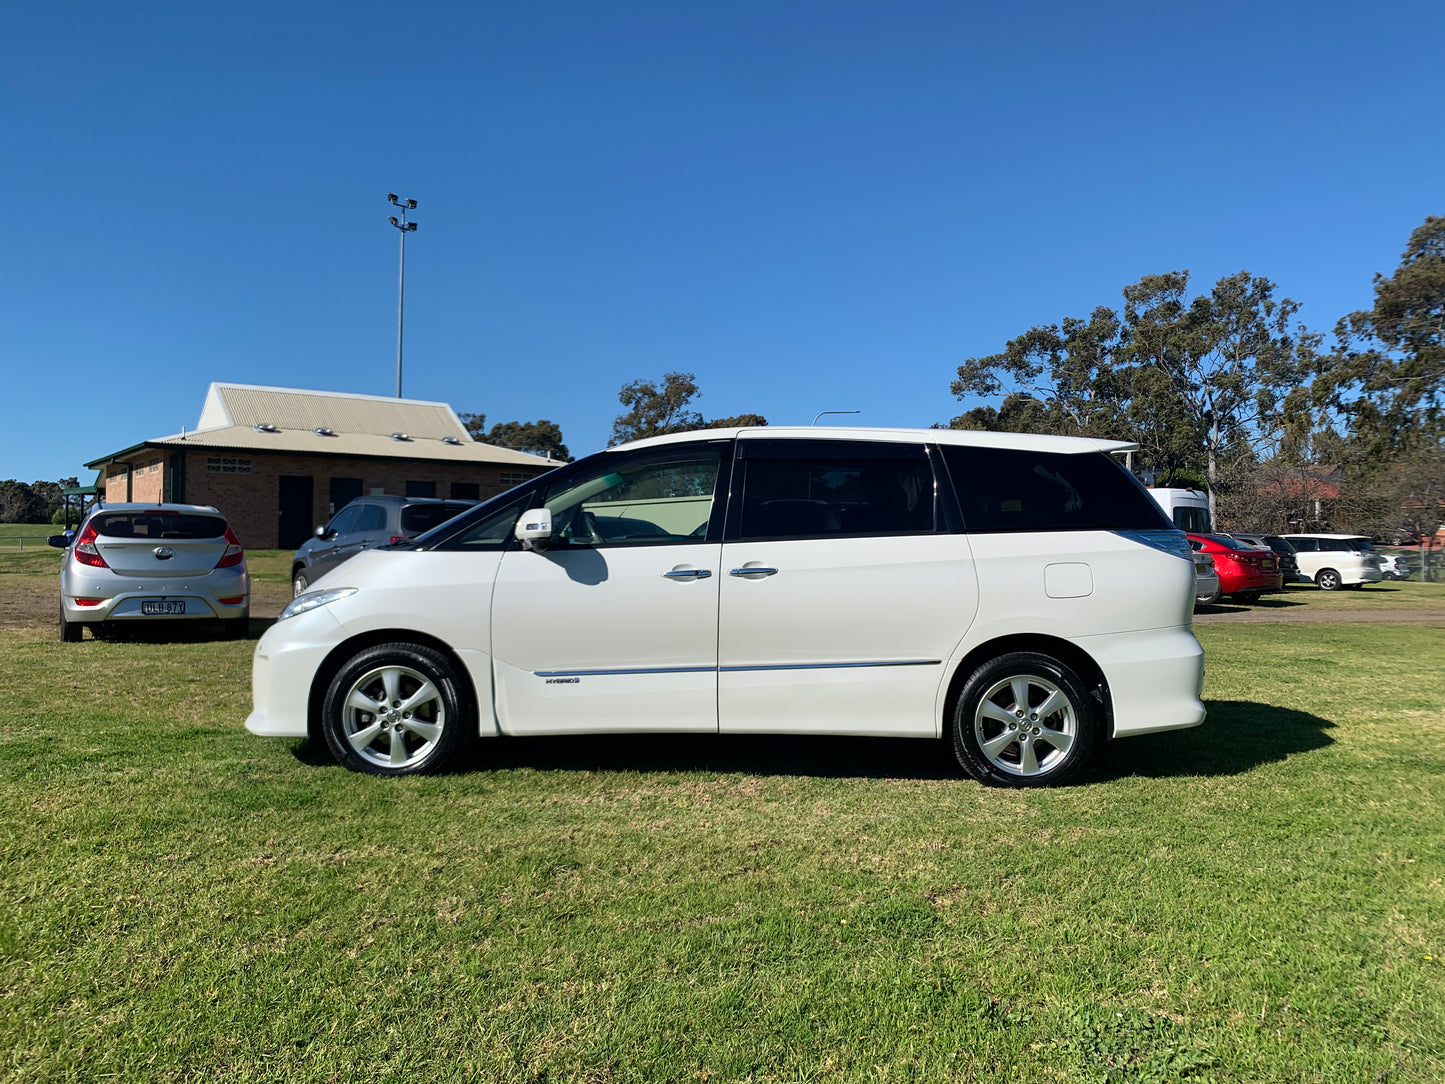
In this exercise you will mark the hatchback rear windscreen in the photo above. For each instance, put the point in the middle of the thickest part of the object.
(1006, 489)
(158, 525)
(416, 518)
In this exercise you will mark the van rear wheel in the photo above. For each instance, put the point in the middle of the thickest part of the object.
(1024, 720)
(1328, 579)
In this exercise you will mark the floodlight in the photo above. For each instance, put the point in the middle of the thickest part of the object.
(411, 204)
(393, 221)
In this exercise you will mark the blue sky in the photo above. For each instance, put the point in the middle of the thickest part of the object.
(812, 206)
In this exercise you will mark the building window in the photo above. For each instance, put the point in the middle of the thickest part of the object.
(421, 489)
(466, 491)
(225, 464)
(510, 478)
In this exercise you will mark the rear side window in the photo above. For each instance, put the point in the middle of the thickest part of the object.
(416, 518)
(158, 525)
(1007, 489)
(803, 498)
(1304, 545)
(371, 517)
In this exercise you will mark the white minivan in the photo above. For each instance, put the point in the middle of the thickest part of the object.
(1336, 560)
(1021, 596)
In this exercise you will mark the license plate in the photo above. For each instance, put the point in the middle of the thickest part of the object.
(1269, 564)
(151, 608)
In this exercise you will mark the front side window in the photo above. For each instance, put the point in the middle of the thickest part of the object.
(1007, 489)
(344, 520)
(652, 498)
(816, 498)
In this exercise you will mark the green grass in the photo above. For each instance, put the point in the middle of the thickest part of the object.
(1402, 595)
(1259, 899)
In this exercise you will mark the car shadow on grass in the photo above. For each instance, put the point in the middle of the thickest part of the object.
(179, 632)
(1237, 737)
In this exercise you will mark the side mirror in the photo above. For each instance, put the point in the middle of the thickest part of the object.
(534, 529)
(324, 532)
(59, 541)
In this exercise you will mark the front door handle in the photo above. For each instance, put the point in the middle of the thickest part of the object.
(688, 574)
(752, 570)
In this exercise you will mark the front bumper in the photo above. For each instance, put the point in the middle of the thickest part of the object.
(283, 669)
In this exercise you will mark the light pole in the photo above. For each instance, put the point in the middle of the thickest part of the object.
(403, 205)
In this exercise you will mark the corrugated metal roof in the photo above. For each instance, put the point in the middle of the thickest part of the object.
(305, 442)
(293, 408)
(361, 424)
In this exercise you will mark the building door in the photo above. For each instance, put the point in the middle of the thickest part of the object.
(343, 492)
(293, 513)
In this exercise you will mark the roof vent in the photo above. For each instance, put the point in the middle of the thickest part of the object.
(400, 436)
(450, 440)
(265, 427)
(323, 431)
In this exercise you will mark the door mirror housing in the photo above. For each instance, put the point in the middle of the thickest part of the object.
(534, 529)
(59, 541)
(324, 533)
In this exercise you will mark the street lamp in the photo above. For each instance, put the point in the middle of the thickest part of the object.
(403, 205)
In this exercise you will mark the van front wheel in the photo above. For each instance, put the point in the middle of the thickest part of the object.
(1024, 720)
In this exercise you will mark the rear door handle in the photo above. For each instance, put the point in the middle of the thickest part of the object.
(752, 570)
(689, 574)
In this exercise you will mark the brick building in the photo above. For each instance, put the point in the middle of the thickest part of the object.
(280, 461)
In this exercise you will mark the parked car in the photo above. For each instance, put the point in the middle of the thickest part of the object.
(1393, 567)
(1021, 594)
(1207, 588)
(1283, 551)
(1337, 560)
(1187, 508)
(1245, 571)
(367, 522)
(152, 563)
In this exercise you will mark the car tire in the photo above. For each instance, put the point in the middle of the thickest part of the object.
(991, 745)
(300, 580)
(70, 631)
(1327, 579)
(424, 727)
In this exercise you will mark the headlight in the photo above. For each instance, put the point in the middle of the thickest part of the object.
(312, 599)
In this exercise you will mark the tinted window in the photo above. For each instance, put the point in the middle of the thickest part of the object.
(1303, 545)
(491, 532)
(1005, 489)
(416, 518)
(370, 517)
(1280, 546)
(344, 520)
(649, 498)
(814, 498)
(158, 525)
(1194, 520)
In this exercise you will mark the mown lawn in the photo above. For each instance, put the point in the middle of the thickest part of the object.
(1257, 900)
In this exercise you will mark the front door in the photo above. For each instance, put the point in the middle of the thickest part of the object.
(613, 625)
(843, 596)
(293, 513)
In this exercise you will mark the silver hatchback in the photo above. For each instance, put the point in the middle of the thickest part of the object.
(150, 563)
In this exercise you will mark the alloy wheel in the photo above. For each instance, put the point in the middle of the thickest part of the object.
(1025, 725)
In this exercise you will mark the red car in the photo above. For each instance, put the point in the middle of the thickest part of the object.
(1245, 571)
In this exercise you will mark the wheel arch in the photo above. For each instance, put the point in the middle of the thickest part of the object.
(1079, 660)
(338, 655)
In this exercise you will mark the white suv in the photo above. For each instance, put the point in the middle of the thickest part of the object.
(1022, 596)
(1336, 560)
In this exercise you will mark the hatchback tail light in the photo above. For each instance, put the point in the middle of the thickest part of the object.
(85, 551)
(394, 539)
(234, 554)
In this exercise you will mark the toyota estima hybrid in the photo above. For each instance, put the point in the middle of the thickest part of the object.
(152, 563)
(1021, 596)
